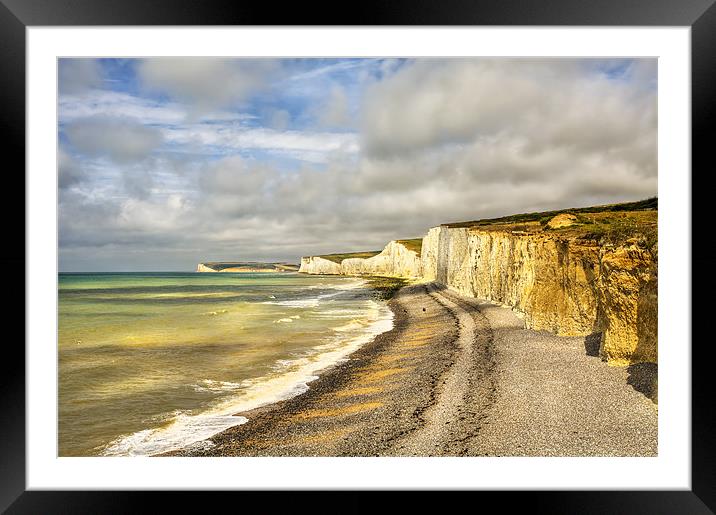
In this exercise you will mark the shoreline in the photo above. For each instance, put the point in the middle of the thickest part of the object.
(344, 392)
(296, 371)
(452, 377)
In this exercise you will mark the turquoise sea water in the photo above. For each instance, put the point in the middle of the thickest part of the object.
(150, 362)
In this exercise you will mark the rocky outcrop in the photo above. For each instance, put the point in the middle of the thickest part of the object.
(395, 260)
(201, 267)
(562, 220)
(627, 296)
(569, 287)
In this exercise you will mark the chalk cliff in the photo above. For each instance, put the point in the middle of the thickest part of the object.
(571, 287)
(592, 274)
(395, 260)
(319, 265)
(251, 267)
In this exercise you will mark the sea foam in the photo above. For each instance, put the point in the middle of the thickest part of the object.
(289, 377)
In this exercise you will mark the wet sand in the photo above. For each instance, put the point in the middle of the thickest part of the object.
(454, 377)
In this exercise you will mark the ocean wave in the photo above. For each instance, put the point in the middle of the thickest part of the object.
(310, 302)
(349, 284)
(287, 320)
(185, 430)
(353, 325)
(289, 377)
(314, 301)
(217, 312)
(209, 385)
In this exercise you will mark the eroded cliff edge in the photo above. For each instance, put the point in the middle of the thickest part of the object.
(569, 286)
(592, 273)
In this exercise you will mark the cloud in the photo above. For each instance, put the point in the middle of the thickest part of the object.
(78, 75)
(439, 140)
(153, 216)
(205, 84)
(279, 119)
(115, 104)
(481, 132)
(148, 111)
(121, 140)
(335, 112)
(562, 102)
(69, 171)
(304, 145)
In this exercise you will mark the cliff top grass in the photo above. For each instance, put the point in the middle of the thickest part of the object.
(338, 258)
(613, 223)
(415, 244)
(650, 204)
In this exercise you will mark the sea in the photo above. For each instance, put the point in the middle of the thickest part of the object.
(153, 362)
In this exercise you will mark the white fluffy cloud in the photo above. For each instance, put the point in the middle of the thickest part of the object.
(205, 84)
(558, 102)
(575, 132)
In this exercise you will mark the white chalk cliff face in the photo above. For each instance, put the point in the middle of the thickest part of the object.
(570, 287)
(394, 261)
(319, 265)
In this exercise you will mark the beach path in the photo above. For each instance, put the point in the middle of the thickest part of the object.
(464, 393)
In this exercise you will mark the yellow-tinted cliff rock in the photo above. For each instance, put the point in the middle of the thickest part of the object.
(571, 287)
(627, 293)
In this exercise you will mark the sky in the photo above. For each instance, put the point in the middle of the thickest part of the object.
(167, 162)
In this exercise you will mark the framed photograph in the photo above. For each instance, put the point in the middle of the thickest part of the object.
(419, 252)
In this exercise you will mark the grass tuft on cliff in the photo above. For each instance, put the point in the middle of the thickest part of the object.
(415, 244)
(338, 258)
(616, 228)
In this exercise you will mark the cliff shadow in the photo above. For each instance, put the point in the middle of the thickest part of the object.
(592, 344)
(594, 341)
(647, 322)
(643, 377)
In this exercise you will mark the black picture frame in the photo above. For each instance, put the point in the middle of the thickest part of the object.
(17, 15)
